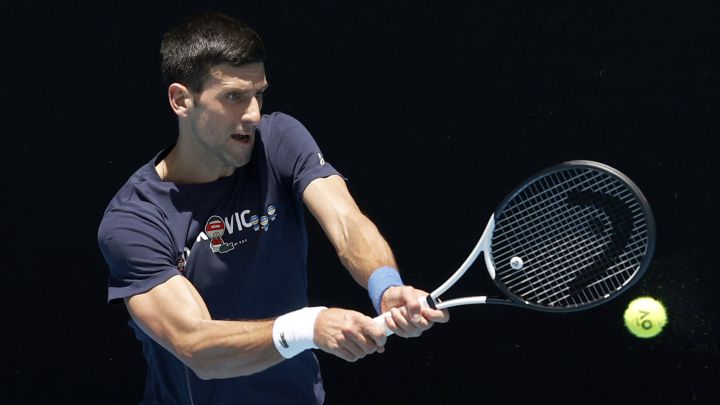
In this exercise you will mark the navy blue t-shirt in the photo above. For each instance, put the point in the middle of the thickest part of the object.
(240, 240)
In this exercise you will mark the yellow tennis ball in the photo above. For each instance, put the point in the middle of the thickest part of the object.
(645, 317)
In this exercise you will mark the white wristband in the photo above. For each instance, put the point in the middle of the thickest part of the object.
(294, 332)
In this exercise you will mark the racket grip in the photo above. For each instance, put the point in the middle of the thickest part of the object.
(380, 319)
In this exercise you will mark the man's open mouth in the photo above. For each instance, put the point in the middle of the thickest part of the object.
(241, 137)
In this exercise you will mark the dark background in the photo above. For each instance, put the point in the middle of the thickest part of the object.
(433, 112)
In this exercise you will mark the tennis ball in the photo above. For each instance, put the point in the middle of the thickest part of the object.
(645, 317)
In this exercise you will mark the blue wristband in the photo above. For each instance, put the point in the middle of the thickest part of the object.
(380, 280)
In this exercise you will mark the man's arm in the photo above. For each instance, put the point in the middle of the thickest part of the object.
(175, 316)
(362, 249)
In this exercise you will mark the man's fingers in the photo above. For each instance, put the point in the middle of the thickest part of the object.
(374, 333)
(405, 326)
(348, 347)
(413, 317)
(364, 343)
(352, 344)
(413, 306)
(435, 315)
(410, 298)
(349, 335)
(399, 319)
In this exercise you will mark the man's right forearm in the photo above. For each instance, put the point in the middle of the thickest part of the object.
(224, 349)
(175, 316)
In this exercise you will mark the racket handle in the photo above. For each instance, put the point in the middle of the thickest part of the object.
(380, 319)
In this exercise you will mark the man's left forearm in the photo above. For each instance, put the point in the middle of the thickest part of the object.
(364, 249)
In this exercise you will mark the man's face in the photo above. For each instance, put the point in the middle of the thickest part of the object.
(225, 114)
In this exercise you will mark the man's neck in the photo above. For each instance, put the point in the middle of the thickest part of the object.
(181, 166)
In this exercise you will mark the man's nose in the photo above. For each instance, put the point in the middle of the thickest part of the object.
(252, 115)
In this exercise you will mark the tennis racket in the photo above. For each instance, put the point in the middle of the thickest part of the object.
(569, 238)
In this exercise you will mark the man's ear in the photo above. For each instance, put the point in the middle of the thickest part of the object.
(180, 99)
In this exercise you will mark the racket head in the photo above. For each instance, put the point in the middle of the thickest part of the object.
(571, 237)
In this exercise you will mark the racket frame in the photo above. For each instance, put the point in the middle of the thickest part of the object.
(484, 246)
(649, 252)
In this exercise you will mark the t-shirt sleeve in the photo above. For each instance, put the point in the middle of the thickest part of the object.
(138, 249)
(294, 154)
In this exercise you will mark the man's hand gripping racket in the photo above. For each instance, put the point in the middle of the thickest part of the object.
(569, 238)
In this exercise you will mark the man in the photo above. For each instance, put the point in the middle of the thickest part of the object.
(206, 243)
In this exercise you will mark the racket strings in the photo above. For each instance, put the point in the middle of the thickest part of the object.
(540, 203)
(593, 258)
(582, 234)
(579, 265)
(539, 230)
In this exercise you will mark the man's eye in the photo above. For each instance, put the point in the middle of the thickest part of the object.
(235, 96)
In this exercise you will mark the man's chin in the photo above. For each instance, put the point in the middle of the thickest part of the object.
(239, 162)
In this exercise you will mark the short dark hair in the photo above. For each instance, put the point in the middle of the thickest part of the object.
(202, 41)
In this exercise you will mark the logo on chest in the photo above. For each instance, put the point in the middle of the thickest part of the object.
(216, 228)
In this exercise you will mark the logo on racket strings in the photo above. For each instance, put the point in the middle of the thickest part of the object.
(620, 231)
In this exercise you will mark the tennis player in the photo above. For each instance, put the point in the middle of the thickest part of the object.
(207, 247)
